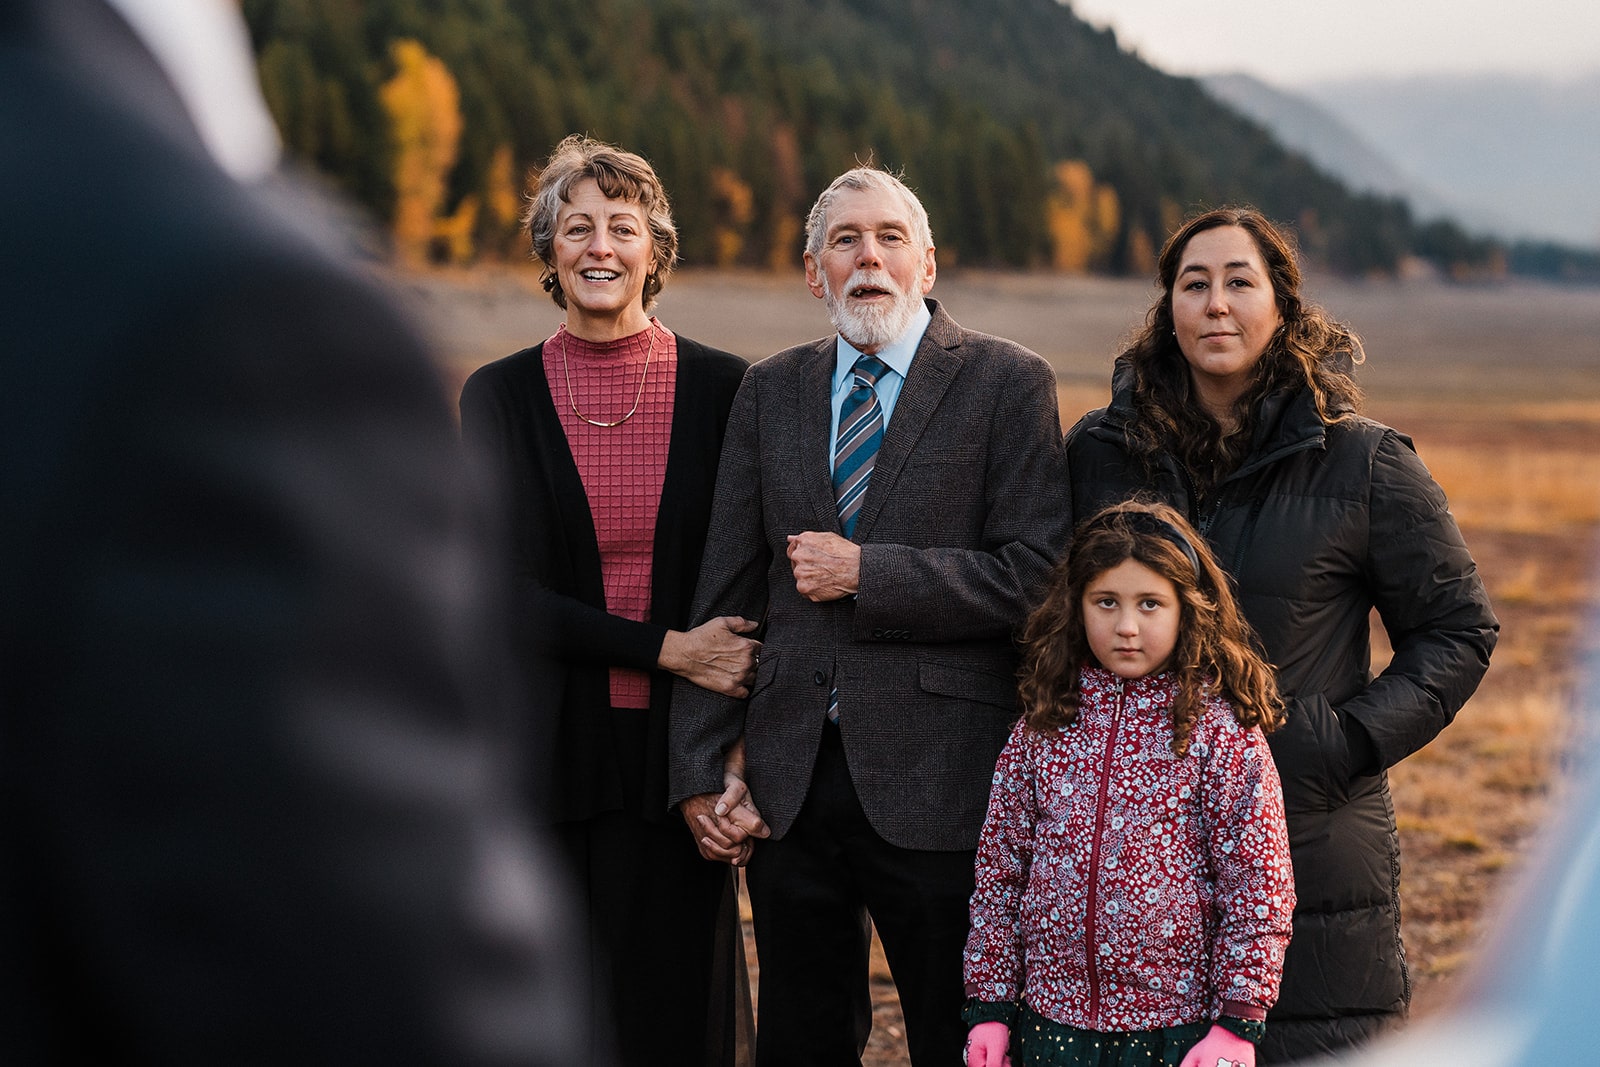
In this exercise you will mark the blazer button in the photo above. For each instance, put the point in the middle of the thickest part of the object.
(820, 678)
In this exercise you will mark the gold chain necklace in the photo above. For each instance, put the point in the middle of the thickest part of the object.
(572, 401)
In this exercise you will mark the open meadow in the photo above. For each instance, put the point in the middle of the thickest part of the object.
(1500, 388)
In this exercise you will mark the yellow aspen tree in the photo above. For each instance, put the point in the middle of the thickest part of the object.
(787, 193)
(1107, 222)
(786, 230)
(1067, 217)
(1082, 217)
(1141, 258)
(736, 206)
(424, 110)
(454, 232)
(500, 188)
(502, 202)
(1171, 217)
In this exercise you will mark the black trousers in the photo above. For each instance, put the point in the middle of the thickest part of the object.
(666, 956)
(812, 894)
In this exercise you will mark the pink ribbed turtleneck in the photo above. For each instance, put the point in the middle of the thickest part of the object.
(622, 467)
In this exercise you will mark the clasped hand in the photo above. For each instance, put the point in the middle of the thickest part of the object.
(726, 825)
(825, 565)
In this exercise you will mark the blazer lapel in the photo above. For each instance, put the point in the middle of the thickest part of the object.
(932, 370)
(815, 413)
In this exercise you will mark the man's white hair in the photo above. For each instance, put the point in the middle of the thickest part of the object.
(861, 179)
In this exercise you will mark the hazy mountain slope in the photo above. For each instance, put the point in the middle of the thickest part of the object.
(1320, 136)
(1522, 155)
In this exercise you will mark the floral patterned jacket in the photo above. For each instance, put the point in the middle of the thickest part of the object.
(1120, 887)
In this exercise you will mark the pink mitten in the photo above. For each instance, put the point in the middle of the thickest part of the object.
(1221, 1048)
(987, 1045)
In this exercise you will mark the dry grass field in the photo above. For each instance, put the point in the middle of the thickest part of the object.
(1499, 387)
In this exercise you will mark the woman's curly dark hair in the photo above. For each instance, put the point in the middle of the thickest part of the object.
(1309, 350)
(1217, 652)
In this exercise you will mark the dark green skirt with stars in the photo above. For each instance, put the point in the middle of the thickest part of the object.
(1040, 1042)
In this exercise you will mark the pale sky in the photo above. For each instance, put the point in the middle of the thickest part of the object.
(1293, 42)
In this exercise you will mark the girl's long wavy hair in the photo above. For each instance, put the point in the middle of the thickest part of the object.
(1309, 350)
(1217, 652)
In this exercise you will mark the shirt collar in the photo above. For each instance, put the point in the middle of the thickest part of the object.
(897, 353)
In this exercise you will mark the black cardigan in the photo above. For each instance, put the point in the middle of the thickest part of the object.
(508, 418)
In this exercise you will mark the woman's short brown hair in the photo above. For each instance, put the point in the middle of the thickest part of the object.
(621, 175)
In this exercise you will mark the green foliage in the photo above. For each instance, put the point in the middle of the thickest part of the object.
(1541, 259)
(321, 81)
(975, 103)
(1443, 242)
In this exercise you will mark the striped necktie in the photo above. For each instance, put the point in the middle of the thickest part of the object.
(860, 434)
(855, 451)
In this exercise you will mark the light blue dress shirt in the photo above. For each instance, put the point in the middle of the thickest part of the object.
(897, 355)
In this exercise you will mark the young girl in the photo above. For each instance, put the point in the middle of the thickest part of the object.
(1133, 881)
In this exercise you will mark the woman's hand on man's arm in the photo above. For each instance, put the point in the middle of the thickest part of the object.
(714, 655)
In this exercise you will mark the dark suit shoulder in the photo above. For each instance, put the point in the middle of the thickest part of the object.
(797, 356)
(1002, 349)
(1000, 353)
(999, 357)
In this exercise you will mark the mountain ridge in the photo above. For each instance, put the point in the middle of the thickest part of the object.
(1032, 137)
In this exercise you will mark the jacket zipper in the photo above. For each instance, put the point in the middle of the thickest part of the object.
(1091, 933)
(1202, 513)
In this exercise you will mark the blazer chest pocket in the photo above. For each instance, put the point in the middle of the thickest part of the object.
(979, 687)
(931, 488)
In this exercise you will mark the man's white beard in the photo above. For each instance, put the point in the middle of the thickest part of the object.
(874, 326)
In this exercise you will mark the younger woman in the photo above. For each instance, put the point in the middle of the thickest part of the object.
(1134, 890)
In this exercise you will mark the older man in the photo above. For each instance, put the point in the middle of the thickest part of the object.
(889, 501)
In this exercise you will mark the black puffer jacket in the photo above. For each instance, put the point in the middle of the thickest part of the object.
(1319, 525)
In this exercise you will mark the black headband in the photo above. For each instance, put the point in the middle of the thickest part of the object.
(1146, 523)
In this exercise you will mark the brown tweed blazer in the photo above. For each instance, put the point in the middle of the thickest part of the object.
(966, 512)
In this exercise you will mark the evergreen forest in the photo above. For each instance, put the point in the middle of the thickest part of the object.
(1033, 140)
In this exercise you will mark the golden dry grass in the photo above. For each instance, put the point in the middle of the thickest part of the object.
(1520, 487)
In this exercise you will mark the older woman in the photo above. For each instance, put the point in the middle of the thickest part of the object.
(606, 436)
(1236, 405)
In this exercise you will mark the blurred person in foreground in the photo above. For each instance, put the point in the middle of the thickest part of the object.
(1237, 405)
(606, 437)
(890, 503)
(254, 807)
